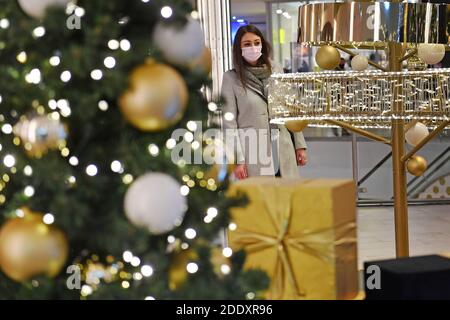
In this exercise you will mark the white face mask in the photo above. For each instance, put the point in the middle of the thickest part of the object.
(252, 54)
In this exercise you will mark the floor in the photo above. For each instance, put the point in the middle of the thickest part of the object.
(429, 232)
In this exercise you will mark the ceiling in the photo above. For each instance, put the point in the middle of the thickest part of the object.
(248, 8)
(256, 9)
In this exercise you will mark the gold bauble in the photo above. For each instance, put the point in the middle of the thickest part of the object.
(416, 64)
(202, 64)
(28, 247)
(296, 125)
(328, 57)
(417, 165)
(177, 271)
(156, 98)
(39, 134)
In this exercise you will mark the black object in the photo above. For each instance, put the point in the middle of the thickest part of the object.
(423, 278)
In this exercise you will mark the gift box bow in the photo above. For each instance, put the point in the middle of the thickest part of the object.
(319, 243)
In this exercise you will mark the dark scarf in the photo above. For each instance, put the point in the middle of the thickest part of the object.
(258, 79)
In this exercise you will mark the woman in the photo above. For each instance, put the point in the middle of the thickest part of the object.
(246, 113)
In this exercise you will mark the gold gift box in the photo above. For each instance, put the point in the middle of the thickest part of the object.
(302, 233)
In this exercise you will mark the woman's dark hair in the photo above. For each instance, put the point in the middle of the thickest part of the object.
(239, 61)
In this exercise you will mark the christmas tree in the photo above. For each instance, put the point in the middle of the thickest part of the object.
(92, 205)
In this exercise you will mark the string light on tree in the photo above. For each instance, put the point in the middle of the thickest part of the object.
(195, 15)
(127, 179)
(96, 74)
(54, 61)
(195, 145)
(91, 170)
(48, 218)
(27, 170)
(147, 271)
(212, 106)
(184, 246)
(39, 32)
(103, 105)
(73, 161)
(127, 256)
(9, 161)
(137, 276)
(34, 76)
(153, 150)
(71, 180)
(227, 252)
(79, 12)
(166, 12)
(52, 104)
(20, 213)
(86, 290)
(66, 76)
(212, 212)
(125, 45)
(225, 269)
(188, 137)
(190, 233)
(22, 57)
(184, 190)
(109, 62)
(191, 125)
(113, 44)
(135, 261)
(116, 166)
(29, 191)
(7, 128)
(4, 23)
(171, 143)
(250, 296)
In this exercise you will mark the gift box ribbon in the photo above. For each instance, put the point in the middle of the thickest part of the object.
(319, 243)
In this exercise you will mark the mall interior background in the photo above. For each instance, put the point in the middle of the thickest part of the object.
(331, 149)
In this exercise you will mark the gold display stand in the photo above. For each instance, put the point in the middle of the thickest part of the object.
(314, 30)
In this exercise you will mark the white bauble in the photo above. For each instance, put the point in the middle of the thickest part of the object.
(36, 8)
(154, 201)
(180, 46)
(416, 134)
(359, 63)
(431, 53)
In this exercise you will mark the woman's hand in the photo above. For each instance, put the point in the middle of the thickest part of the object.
(302, 157)
(240, 171)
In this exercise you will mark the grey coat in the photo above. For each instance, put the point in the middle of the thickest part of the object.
(246, 110)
